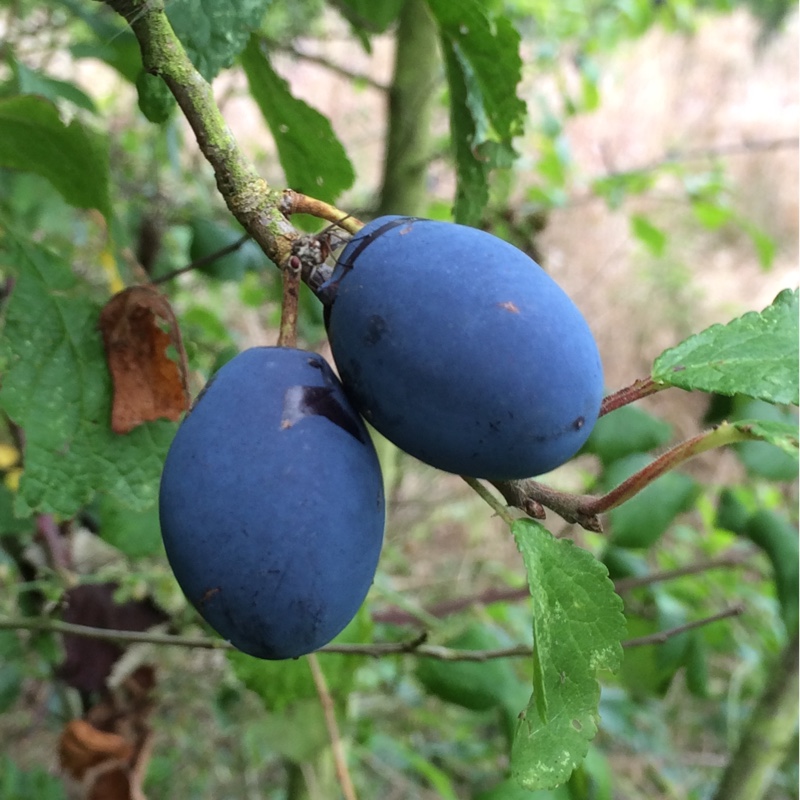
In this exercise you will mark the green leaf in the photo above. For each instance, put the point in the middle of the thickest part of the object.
(367, 16)
(625, 431)
(73, 157)
(476, 685)
(137, 534)
(641, 520)
(483, 66)
(761, 458)
(765, 245)
(214, 33)
(778, 537)
(313, 160)
(649, 235)
(29, 81)
(577, 625)
(712, 215)
(280, 684)
(58, 390)
(155, 99)
(755, 354)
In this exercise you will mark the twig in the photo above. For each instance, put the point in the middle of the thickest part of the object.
(732, 559)
(331, 66)
(328, 709)
(204, 261)
(287, 337)
(661, 636)
(399, 616)
(584, 509)
(247, 195)
(416, 646)
(293, 202)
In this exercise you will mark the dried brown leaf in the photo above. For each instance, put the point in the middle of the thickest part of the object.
(138, 325)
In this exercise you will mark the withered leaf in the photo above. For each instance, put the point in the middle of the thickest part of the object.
(82, 746)
(138, 325)
(88, 662)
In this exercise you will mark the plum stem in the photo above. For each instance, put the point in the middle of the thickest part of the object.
(287, 336)
(642, 387)
(297, 203)
(583, 509)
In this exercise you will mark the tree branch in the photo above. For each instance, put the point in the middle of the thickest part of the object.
(416, 646)
(247, 195)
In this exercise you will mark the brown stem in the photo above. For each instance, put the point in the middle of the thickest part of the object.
(287, 336)
(661, 636)
(584, 510)
(329, 711)
(398, 616)
(640, 388)
(293, 202)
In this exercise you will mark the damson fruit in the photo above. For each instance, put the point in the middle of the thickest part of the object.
(461, 350)
(271, 504)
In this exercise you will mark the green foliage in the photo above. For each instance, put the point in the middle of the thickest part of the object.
(483, 67)
(73, 157)
(642, 520)
(577, 629)
(628, 430)
(155, 99)
(763, 459)
(755, 355)
(476, 685)
(56, 387)
(215, 33)
(19, 784)
(313, 160)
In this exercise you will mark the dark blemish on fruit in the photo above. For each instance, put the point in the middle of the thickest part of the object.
(320, 401)
(376, 327)
(579, 423)
(509, 306)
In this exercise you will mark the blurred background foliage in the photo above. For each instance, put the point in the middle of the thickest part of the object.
(655, 177)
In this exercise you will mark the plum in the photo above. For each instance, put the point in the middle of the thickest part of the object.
(460, 349)
(271, 504)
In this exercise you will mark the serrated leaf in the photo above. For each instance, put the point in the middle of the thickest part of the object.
(781, 434)
(58, 390)
(760, 458)
(367, 16)
(755, 354)
(73, 157)
(214, 33)
(313, 159)
(483, 66)
(578, 626)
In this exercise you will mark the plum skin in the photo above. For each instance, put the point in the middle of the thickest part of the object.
(461, 350)
(271, 504)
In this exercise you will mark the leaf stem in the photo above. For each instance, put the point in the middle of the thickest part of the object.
(490, 499)
(642, 387)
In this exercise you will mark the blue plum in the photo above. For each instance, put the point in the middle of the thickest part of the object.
(461, 350)
(271, 504)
